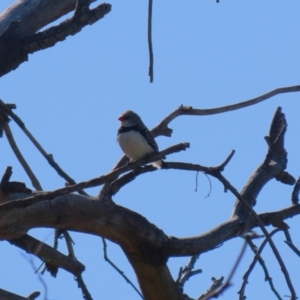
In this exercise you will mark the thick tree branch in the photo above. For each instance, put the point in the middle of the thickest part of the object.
(5, 295)
(48, 255)
(48, 38)
(146, 246)
(20, 22)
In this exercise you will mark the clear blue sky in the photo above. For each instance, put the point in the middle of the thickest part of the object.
(206, 55)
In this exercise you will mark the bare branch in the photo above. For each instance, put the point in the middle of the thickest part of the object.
(78, 277)
(289, 241)
(5, 295)
(256, 258)
(93, 182)
(48, 255)
(163, 129)
(20, 157)
(215, 285)
(264, 267)
(49, 157)
(41, 280)
(6, 176)
(117, 269)
(150, 47)
(273, 166)
(215, 292)
(123, 227)
(295, 194)
(20, 22)
(83, 16)
(187, 272)
(265, 232)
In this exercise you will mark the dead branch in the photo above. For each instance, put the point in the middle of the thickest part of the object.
(145, 245)
(187, 272)
(289, 241)
(215, 290)
(117, 269)
(256, 258)
(48, 255)
(272, 167)
(265, 269)
(93, 182)
(82, 17)
(150, 46)
(163, 129)
(7, 109)
(20, 22)
(295, 194)
(20, 157)
(5, 295)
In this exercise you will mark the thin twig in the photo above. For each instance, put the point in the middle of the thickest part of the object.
(264, 267)
(265, 232)
(117, 269)
(216, 292)
(78, 277)
(295, 194)
(289, 241)
(48, 157)
(41, 280)
(151, 56)
(216, 283)
(7, 174)
(187, 272)
(256, 258)
(20, 157)
(196, 187)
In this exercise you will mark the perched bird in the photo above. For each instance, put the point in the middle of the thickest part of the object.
(135, 139)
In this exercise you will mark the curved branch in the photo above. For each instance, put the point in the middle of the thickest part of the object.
(163, 129)
(146, 246)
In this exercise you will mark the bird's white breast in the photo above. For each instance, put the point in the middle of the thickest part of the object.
(134, 145)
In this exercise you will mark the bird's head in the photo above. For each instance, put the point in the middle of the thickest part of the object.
(130, 118)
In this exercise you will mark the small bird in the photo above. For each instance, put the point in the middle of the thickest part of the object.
(135, 139)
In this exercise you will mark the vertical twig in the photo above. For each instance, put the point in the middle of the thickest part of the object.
(151, 59)
(85, 292)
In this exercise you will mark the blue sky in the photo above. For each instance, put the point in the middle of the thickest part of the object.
(206, 55)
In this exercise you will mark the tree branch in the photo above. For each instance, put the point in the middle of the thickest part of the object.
(93, 182)
(5, 295)
(48, 255)
(7, 110)
(163, 129)
(20, 22)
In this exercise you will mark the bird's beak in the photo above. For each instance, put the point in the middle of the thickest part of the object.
(121, 118)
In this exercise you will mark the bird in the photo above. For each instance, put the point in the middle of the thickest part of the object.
(135, 138)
